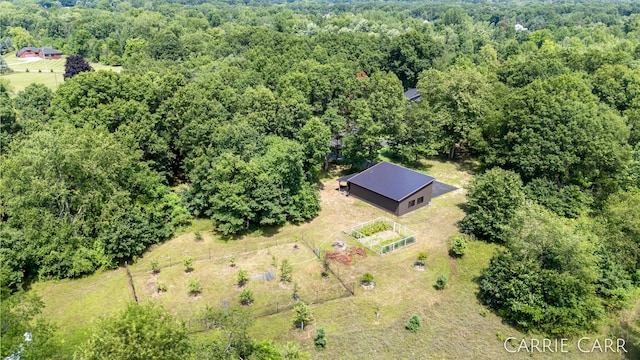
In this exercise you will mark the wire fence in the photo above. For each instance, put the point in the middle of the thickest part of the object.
(314, 290)
(217, 255)
(383, 235)
(335, 271)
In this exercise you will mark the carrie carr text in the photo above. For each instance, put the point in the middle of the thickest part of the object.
(584, 345)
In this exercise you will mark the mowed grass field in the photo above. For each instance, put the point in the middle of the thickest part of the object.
(47, 72)
(454, 324)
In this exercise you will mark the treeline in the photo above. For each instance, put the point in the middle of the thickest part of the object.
(236, 106)
(141, 331)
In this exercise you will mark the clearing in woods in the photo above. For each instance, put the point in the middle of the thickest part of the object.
(369, 325)
(36, 70)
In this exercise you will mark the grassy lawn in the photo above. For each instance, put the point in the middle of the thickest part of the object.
(18, 81)
(73, 305)
(454, 324)
(40, 72)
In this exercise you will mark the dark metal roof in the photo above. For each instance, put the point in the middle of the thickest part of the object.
(391, 180)
(413, 95)
(50, 51)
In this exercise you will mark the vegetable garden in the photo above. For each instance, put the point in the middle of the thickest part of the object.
(383, 235)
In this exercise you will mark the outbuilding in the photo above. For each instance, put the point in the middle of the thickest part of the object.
(390, 187)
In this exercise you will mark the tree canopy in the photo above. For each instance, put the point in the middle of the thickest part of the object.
(228, 110)
(75, 199)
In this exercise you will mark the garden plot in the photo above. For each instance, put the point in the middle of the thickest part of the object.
(383, 235)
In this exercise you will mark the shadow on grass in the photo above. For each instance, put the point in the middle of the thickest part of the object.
(632, 340)
(462, 206)
(404, 161)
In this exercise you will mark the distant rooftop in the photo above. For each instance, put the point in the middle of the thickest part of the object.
(413, 95)
(519, 27)
(390, 180)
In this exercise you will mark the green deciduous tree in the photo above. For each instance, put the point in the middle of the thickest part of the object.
(546, 278)
(568, 201)
(243, 277)
(557, 129)
(621, 229)
(81, 200)
(140, 332)
(302, 315)
(24, 333)
(314, 137)
(8, 124)
(286, 271)
(240, 191)
(492, 201)
(234, 342)
(410, 54)
(463, 102)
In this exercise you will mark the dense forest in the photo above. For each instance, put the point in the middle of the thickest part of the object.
(225, 111)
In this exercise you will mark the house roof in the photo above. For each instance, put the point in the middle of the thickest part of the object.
(27, 48)
(390, 180)
(50, 51)
(413, 95)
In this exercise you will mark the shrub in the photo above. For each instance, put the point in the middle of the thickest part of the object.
(39, 70)
(457, 247)
(320, 340)
(188, 264)
(414, 324)
(51, 70)
(285, 271)
(26, 70)
(367, 279)
(441, 282)
(246, 297)
(301, 314)
(243, 277)
(198, 235)
(232, 261)
(155, 266)
(194, 287)
(422, 256)
(161, 287)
